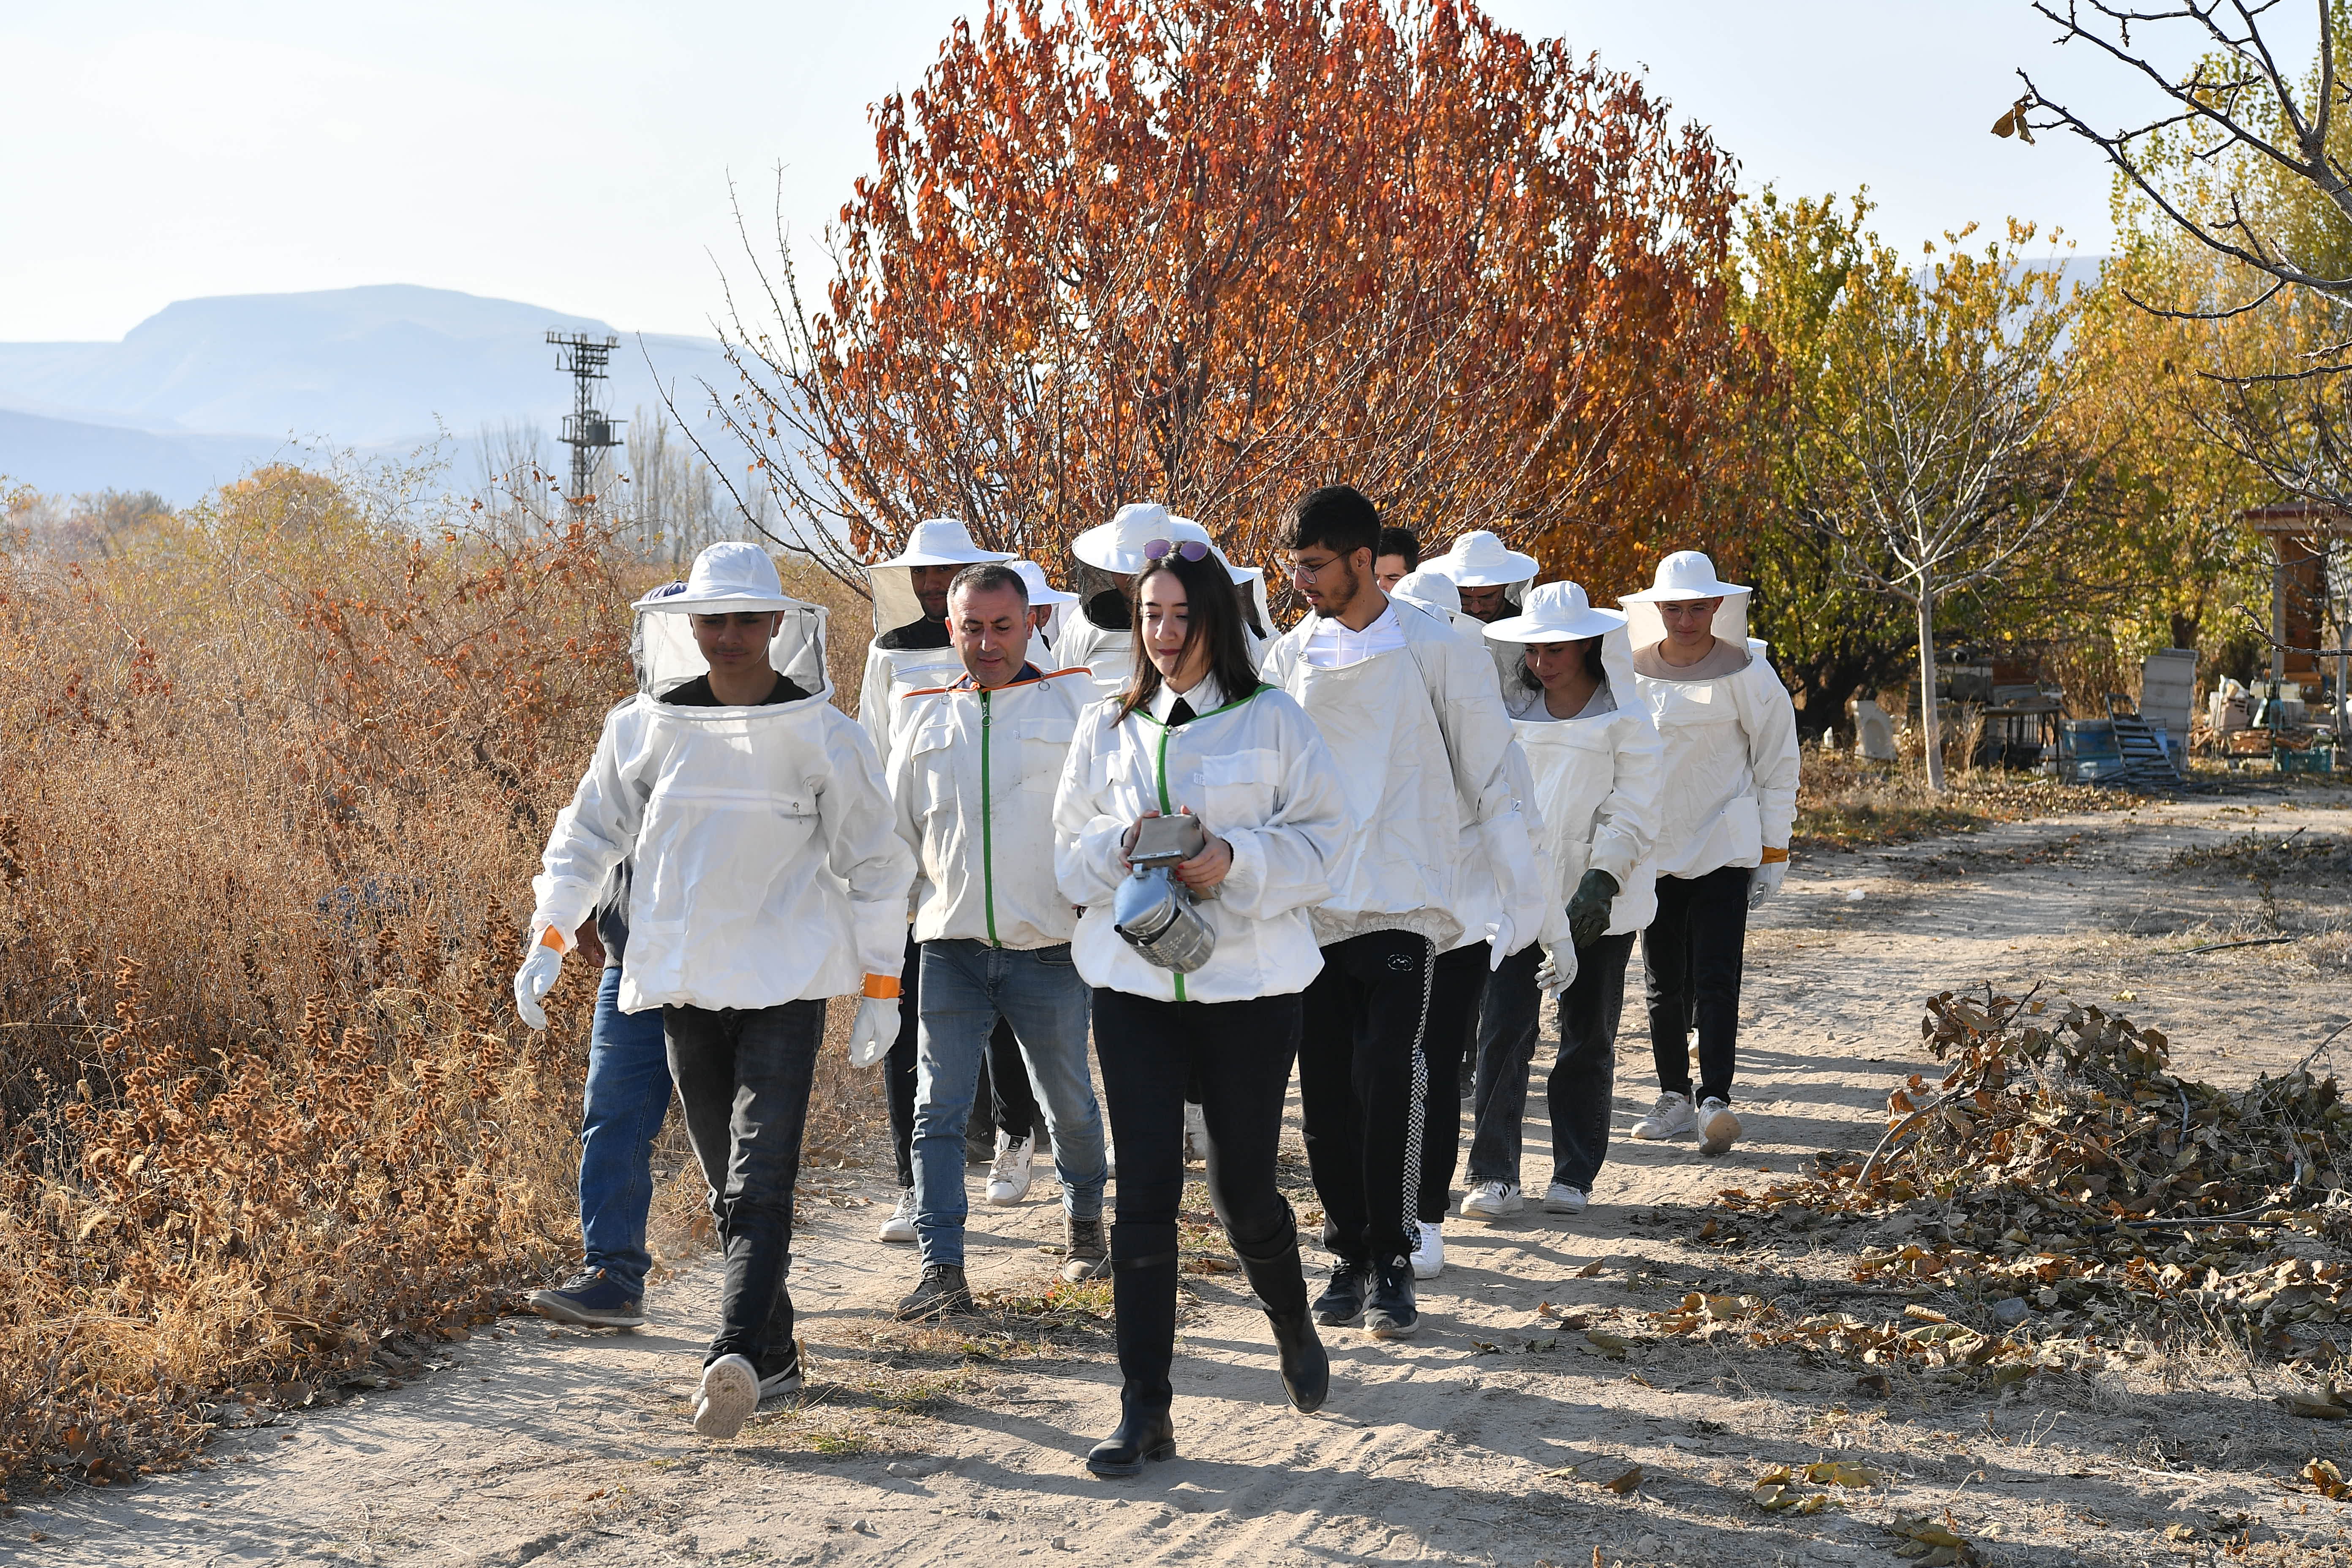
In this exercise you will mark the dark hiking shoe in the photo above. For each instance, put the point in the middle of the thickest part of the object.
(1085, 1256)
(941, 1292)
(1391, 1313)
(591, 1299)
(1342, 1300)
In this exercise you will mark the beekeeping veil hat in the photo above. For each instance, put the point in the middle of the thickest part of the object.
(1117, 545)
(1433, 590)
(726, 577)
(1563, 612)
(1043, 596)
(1481, 560)
(935, 542)
(1248, 581)
(1686, 575)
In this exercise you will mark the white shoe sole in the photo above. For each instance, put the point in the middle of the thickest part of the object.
(1422, 1271)
(1564, 1206)
(1006, 1197)
(729, 1394)
(1721, 1131)
(1515, 1209)
(892, 1232)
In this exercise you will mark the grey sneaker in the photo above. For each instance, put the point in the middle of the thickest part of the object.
(1718, 1129)
(900, 1225)
(1670, 1118)
(1564, 1199)
(1008, 1176)
(1085, 1255)
(728, 1394)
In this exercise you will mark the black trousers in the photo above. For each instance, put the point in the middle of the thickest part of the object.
(743, 1077)
(1149, 1050)
(1460, 979)
(1690, 961)
(1583, 1076)
(1005, 1095)
(1361, 1077)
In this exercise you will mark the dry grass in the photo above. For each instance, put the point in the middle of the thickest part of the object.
(274, 785)
(1844, 803)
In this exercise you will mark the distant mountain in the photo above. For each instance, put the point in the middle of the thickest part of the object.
(205, 387)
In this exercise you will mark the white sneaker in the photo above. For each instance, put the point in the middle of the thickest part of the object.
(1493, 1200)
(1718, 1128)
(1563, 1199)
(1196, 1132)
(1670, 1118)
(1008, 1178)
(730, 1392)
(900, 1225)
(1429, 1255)
(1110, 1158)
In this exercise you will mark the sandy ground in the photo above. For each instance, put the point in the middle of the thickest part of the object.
(1480, 1440)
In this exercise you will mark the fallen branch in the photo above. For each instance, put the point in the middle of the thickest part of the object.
(2250, 942)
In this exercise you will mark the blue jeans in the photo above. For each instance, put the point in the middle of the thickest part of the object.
(966, 987)
(628, 1095)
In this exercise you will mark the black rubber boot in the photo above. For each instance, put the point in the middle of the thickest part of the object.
(1276, 1275)
(1143, 1302)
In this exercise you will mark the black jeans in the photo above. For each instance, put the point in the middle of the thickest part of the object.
(1460, 979)
(743, 1079)
(1361, 1075)
(1149, 1050)
(1583, 1076)
(1004, 1096)
(1690, 958)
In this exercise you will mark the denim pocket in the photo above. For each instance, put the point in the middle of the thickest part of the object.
(1054, 957)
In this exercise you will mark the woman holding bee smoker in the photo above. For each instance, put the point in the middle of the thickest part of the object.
(1196, 941)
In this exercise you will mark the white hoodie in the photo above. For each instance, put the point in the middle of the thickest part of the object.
(768, 867)
(1597, 788)
(1422, 746)
(1730, 786)
(1257, 775)
(973, 775)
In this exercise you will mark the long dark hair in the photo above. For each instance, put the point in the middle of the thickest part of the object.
(1592, 666)
(1212, 617)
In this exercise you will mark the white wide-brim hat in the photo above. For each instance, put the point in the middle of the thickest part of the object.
(727, 577)
(941, 542)
(1117, 545)
(1684, 575)
(1041, 592)
(1430, 587)
(1481, 560)
(1556, 611)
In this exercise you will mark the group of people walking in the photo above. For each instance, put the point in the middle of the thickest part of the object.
(1366, 849)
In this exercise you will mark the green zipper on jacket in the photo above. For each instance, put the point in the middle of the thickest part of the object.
(987, 826)
(1165, 809)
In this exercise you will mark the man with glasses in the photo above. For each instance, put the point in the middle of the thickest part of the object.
(1415, 720)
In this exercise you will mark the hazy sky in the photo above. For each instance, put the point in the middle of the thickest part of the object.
(577, 156)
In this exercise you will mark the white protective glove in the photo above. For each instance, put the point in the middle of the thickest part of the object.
(875, 1032)
(1502, 939)
(1557, 973)
(536, 978)
(1765, 881)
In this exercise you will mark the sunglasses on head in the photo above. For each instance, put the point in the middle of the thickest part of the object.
(1161, 549)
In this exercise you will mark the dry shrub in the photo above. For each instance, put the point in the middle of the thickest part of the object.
(274, 784)
(1846, 802)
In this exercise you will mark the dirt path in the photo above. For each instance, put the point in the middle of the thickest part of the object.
(964, 1445)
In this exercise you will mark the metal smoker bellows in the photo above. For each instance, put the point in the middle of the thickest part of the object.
(1153, 910)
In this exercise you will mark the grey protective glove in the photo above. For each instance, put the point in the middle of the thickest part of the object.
(1588, 911)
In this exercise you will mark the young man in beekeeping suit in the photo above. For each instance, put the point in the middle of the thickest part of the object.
(973, 767)
(910, 650)
(1413, 719)
(1725, 808)
(768, 875)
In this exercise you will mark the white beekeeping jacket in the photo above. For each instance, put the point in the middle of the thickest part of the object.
(1596, 790)
(1730, 765)
(768, 868)
(1256, 774)
(972, 774)
(1423, 746)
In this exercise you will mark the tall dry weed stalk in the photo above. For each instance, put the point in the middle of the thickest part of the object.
(272, 787)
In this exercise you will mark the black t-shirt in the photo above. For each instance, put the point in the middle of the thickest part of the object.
(925, 633)
(696, 693)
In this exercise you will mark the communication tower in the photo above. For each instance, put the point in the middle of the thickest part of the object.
(587, 429)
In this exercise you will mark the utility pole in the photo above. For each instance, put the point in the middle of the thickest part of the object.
(587, 429)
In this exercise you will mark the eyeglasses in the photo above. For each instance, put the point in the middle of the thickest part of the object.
(1161, 548)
